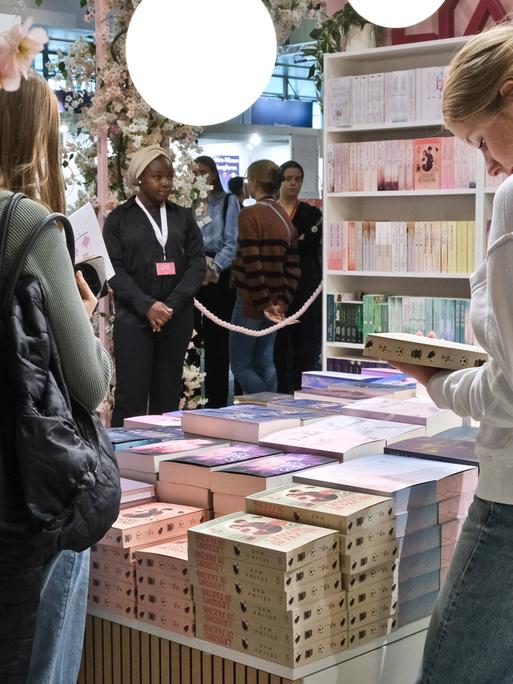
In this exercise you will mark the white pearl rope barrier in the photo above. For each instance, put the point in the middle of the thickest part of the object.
(266, 331)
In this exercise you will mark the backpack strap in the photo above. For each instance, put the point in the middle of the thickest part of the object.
(5, 220)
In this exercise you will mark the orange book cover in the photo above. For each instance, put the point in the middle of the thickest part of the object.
(427, 163)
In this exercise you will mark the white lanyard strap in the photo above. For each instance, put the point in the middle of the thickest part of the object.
(161, 235)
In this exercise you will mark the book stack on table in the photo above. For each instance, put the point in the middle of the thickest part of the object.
(267, 587)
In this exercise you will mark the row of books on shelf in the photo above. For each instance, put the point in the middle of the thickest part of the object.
(402, 246)
(392, 97)
(350, 320)
(406, 164)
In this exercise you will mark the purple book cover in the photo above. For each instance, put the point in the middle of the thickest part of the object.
(253, 413)
(466, 432)
(175, 446)
(270, 466)
(309, 405)
(437, 448)
(224, 455)
(325, 379)
(121, 435)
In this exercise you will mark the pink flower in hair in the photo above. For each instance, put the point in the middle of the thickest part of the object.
(18, 47)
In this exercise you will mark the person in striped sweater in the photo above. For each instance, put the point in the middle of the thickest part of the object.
(265, 274)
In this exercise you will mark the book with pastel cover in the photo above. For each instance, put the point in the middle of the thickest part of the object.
(260, 398)
(195, 468)
(245, 423)
(416, 410)
(423, 351)
(411, 482)
(133, 490)
(343, 437)
(465, 432)
(151, 421)
(152, 522)
(333, 379)
(262, 473)
(168, 558)
(309, 405)
(337, 509)
(265, 541)
(147, 458)
(437, 448)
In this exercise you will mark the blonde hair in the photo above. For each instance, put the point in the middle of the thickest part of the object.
(476, 74)
(266, 174)
(30, 156)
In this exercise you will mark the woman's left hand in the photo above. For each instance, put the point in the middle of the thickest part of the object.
(90, 301)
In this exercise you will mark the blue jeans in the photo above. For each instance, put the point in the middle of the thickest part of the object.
(251, 358)
(470, 637)
(57, 647)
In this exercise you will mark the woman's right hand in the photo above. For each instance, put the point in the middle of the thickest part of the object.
(158, 315)
(90, 301)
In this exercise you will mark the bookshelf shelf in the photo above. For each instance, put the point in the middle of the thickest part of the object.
(443, 206)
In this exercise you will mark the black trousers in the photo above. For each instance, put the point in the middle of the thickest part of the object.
(220, 299)
(298, 347)
(149, 366)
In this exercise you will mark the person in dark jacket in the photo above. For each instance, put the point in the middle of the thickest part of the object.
(298, 347)
(157, 253)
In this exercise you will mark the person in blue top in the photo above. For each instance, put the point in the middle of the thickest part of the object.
(218, 221)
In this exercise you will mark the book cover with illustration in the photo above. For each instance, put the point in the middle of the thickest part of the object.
(257, 474)
(343, 437)
(266, 541)
(260, 398)
(120, 437)
(465, 432)
(397, 477)
(245, 423)
(134, 491)
(427, 163)
(416, 410)
(169, 558)
(437, 448)
(348, 394)
(152, 421)
(345, 511)
(333, 379)
(310, 405)
(195, 469)
(274, 580)
(423, 351)
(147, 458)
(153, 522)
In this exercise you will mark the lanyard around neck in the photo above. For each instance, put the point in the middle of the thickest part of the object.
(161, 235)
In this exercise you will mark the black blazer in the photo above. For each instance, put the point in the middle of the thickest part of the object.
(134, 251)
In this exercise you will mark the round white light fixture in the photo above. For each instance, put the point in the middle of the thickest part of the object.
(255, 139)
(396, 13)
(200, 62)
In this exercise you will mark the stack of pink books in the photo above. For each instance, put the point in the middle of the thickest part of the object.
(164, 590)
(151, 421)
(267, 587)
(431, 501)
(112, 583)
(188, 477)
(369, 547)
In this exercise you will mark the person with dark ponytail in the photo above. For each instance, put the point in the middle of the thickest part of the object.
(298, 347)
(266, 274)
(219, 226)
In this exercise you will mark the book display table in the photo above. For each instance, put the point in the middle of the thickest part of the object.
(125, 651)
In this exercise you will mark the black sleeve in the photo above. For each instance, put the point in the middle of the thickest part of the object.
(122, 284)
(192, 278)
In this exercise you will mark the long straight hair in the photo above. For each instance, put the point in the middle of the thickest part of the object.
(210, 163)
(30, 155)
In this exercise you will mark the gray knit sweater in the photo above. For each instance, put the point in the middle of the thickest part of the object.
(86, 364)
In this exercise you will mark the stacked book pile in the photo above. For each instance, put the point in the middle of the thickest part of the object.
(368, 547)
(344, 388)
(164, 590)
(430, 501)
(112, 582)
(187, 478)
(267, 587)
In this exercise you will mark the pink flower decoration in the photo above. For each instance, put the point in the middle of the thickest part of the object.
(18, 47)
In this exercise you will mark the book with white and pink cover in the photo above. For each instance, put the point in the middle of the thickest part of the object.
(168, 558)
(343, 437)
(147, 458)
(153, 421)
(245, 423)
(325, 379)
(242, 479)
(153, 522)
(265, 541)
(309, 405)
(133, 491)
(183, 494)
(337, 509)
(411, 482)
(417, 410)
(196, 468)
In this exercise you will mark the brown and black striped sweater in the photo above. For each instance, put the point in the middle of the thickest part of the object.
(266, 269)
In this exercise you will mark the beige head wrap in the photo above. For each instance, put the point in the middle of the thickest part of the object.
(142, 158)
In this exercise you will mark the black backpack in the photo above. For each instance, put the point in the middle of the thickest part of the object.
(59, 480)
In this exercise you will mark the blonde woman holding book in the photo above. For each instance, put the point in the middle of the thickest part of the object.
(470, 636)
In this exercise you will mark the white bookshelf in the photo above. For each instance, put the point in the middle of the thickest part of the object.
(469, 204)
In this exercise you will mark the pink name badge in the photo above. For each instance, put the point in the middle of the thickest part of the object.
(165, 268)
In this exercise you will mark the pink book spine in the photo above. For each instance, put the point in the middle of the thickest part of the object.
(113, 605)
(177, 605)
(447, 166)
(344, 248)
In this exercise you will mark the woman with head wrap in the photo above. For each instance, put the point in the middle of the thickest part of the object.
(156, 249)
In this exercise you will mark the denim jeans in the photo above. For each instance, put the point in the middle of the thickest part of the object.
(470, 637)
(57, 647)
(251, 358)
